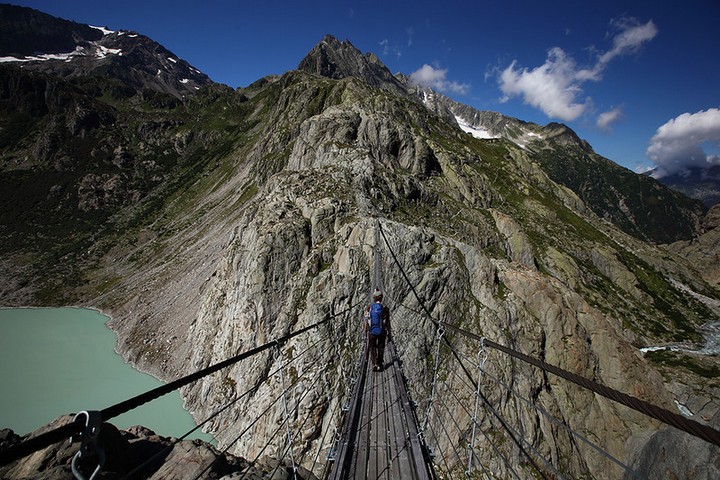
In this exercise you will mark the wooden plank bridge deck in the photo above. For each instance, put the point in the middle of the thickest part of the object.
(380, 438)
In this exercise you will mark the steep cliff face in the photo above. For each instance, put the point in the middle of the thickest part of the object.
(261, 218)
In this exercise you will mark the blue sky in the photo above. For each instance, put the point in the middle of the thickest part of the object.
(650, 70)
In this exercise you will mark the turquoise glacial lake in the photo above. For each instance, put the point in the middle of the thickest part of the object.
(57, 361)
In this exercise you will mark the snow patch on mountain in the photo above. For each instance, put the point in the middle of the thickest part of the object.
(105, 30)
(475, 131)
(42, 57)
(527, 137)
(103, 52)
(99, 51)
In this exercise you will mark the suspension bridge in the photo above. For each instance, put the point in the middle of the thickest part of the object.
(372, 426)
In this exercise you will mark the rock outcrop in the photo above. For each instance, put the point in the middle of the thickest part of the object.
(125, 451)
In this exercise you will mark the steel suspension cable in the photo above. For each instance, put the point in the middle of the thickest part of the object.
(63, 432)
(560, 423)
(277, 430)
(510, 431)
(452, 349)
(287, 416)
(475, 422)
(337, 405)
(267, 444)
(251, 425)
(337, 387)
(289, 449)
(515, 436)
(486, 404)
(345, 374)
(447, 434)
(457, 425)
(437, 441)
(687, 425)
(692, 427)
(237, 398)
(297, 432)
(438, 337)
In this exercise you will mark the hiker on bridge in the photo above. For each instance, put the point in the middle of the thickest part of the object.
(377, 328)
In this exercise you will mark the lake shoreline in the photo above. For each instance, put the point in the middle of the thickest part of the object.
(117, 353)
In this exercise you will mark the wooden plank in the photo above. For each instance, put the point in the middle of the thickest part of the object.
(402, 429)
(399, 467)
(371, 466)
(386, 444)
(415, 451)
(360, 460)
(378, 460)
(383, 438)
(344, 464)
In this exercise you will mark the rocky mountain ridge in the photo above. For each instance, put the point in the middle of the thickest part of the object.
(247, 213)
(628, 200)
(612, 192)
(37, 41)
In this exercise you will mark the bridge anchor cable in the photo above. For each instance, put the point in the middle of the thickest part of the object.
(482, 358)
(278, 354)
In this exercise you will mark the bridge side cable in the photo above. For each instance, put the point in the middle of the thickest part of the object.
(447, 434)
(212, 416)
(516, 435)
(687, 425)
(63, 432)
(447, 342)
(344, 373)
(558, 422)
(485, 435)
(257, 419)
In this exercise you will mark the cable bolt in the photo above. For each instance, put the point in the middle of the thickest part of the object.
(89, 443)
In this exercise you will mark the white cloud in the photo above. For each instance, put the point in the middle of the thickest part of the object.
(606, 119)
(555, 86)
(549, 87)
(680, 143)
(436, 78)
(630, 38)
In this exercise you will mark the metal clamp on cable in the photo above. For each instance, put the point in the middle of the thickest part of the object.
(89, 443)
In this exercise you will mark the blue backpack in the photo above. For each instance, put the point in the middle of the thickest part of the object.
(376, 321)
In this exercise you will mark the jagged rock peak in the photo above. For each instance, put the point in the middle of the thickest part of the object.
(335, 59)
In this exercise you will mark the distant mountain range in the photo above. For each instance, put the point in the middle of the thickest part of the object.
(700, 183)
